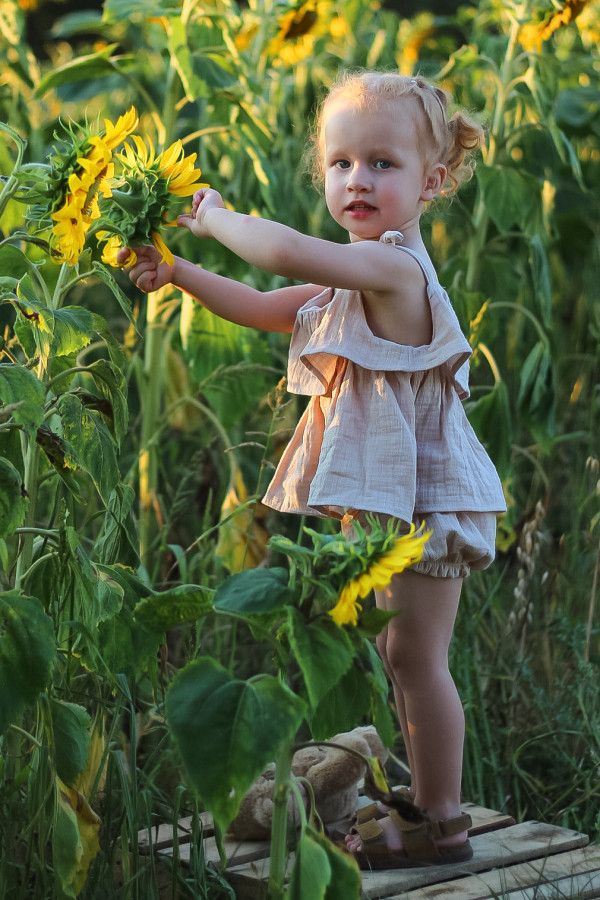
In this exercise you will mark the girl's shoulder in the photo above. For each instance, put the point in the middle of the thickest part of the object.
(396, 238)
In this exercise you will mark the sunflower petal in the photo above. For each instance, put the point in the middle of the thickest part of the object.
(116, 134)
(166, 255)
(170, 156)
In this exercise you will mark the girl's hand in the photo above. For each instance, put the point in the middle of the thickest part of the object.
(202, 201)
(148, 273)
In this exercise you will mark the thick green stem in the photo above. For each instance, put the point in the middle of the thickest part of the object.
(61, 288)
(9, 189)
(281, 790)
(151, 400)
(31, 456)
(153, 375)
(30, 480)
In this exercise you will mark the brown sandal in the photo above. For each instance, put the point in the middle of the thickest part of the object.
(418, 840)
(374, 810)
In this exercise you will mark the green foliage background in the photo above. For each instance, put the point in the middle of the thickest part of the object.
(190, 408)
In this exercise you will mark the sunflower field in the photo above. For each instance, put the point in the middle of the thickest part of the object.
(163, 635)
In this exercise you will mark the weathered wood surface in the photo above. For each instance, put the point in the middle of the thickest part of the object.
(161, 836)
(518, 856)
(526, 861)
(575, 873)
(498, 850)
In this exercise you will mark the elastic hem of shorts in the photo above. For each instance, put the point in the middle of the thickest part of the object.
(441, 569)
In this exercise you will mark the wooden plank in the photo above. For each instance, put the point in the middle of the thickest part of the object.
(531, 861)
(515, 844)
(237, 852)
(161, 836)
(518, 843)
(579, 868)
(249, 882)
(485, 820)
(582, 887)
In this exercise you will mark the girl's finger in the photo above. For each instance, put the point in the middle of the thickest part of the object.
(186, 221)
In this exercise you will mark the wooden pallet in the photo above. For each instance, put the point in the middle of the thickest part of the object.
(526, 861)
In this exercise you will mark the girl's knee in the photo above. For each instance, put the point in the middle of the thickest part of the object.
(409, 662)
(381, 643)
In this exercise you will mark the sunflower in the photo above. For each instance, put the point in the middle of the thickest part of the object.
(76, 177)
(141, 196)
(533, 34)
(298, 29)
(405, 551)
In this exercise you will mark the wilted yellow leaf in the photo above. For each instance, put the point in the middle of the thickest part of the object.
(379, 776)
(87, 778)
(76, 838)
(243, 536)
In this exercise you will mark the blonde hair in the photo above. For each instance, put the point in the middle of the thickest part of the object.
(451, 142)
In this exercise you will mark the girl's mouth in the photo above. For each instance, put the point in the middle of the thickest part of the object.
(360, 210)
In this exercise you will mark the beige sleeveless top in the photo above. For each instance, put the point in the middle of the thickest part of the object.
(385, 430)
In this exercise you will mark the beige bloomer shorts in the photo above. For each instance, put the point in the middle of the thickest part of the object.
(459, 542)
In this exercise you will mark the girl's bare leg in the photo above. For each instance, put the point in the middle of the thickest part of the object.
(400, 707)
(414, 650)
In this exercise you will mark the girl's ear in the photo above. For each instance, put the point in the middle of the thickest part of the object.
(434, 181)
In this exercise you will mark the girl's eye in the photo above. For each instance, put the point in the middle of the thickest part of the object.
(341, 164)
(382, 164)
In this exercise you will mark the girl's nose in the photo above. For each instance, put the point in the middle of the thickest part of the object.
(357, 179)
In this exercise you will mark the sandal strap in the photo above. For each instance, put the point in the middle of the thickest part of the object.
(375, 811)
(419, 838)
(368, 831)
(447, 827)
(366, 813)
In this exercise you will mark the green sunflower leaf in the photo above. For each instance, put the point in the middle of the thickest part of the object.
(117, 540)
(322, 870)
(166, 610)
(27, 654)
(71, 733)
(109, 280)
(91, 442)
(111, 383)
(20, 388)
(323, 651)
(346, 704)
(84, 68)
(254, 592)
(13, 500)
(311, 873)
(60, 332)
(228, 730)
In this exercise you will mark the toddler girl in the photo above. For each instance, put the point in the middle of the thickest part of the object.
(378, 348)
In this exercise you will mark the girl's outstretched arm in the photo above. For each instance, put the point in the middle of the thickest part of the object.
(277, 248)
(267, 311)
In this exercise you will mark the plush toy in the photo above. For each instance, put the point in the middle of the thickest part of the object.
(332, 773)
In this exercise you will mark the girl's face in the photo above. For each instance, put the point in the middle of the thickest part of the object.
(375, 177)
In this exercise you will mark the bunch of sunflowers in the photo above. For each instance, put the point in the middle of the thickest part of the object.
(122, 199)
